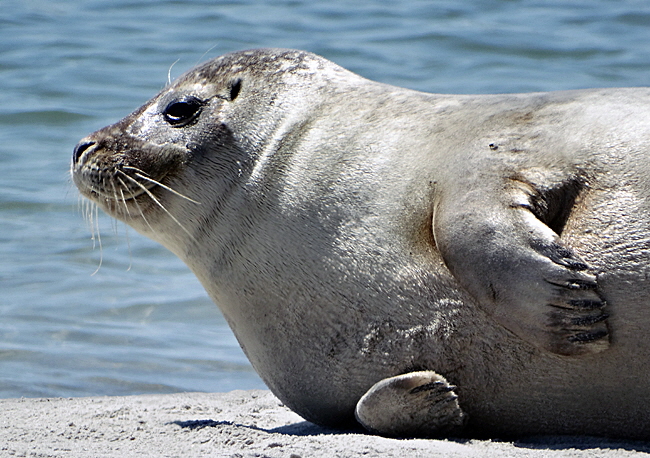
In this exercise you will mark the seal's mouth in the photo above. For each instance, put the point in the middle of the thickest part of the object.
(121, 183)
(108, 179)
(126, 177)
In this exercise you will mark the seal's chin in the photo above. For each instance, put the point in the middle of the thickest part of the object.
(119, 205)
(123, 194)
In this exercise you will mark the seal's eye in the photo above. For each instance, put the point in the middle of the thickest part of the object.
(180, 113)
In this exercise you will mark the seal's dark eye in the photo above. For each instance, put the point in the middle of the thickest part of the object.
(181, 112)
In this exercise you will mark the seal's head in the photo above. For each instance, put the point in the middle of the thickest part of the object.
(195, 141)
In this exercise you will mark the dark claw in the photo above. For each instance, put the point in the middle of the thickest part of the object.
(563, 256)
(571, 263)
(589, 320)
(431, 386)
(575, 284)
(586, 304)
(588, 336)
(561, 251)
(582, 284)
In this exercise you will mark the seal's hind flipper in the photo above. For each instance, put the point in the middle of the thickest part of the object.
(417, 404)
(501, 240)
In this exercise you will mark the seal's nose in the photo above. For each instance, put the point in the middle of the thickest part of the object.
(81, 148)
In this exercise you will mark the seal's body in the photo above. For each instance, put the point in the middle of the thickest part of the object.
(369, 245)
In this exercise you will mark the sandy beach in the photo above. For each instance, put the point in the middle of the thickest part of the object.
(236, 424)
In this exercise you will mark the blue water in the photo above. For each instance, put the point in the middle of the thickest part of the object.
(130, 318)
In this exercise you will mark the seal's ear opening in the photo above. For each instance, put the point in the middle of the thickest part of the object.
(235, 87)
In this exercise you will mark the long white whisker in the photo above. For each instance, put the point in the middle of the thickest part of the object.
(144, 176)
(169, 72)
(168, 188)
(150, 194)
(99, 240)
(201, 58)
(130, 167)
(134, 200)
(82, 207)
(128, 244)
(126, 227)
(122, 200)
(90, 218)
(116, 199)
(126, 207)
(92, 211)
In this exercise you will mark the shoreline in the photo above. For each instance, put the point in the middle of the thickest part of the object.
(236, 424)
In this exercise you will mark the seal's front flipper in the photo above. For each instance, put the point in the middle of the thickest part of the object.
(417, 404)
(496, 239)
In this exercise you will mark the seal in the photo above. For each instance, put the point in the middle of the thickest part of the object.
(420, 262)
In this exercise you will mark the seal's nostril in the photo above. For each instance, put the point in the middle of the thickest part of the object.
(81, 147)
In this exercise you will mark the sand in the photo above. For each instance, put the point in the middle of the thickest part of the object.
(236, 424)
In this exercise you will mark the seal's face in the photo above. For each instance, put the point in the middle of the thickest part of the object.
(195, 141)
(141, 168)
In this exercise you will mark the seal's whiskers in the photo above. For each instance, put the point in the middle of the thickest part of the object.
(120, 199)
(96, 237)
(140, 174)
(134, 200)
(126, 207)
(91, 214)
(168, 188)
(150, 194)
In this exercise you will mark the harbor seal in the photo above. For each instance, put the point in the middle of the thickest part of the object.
(420, 262)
